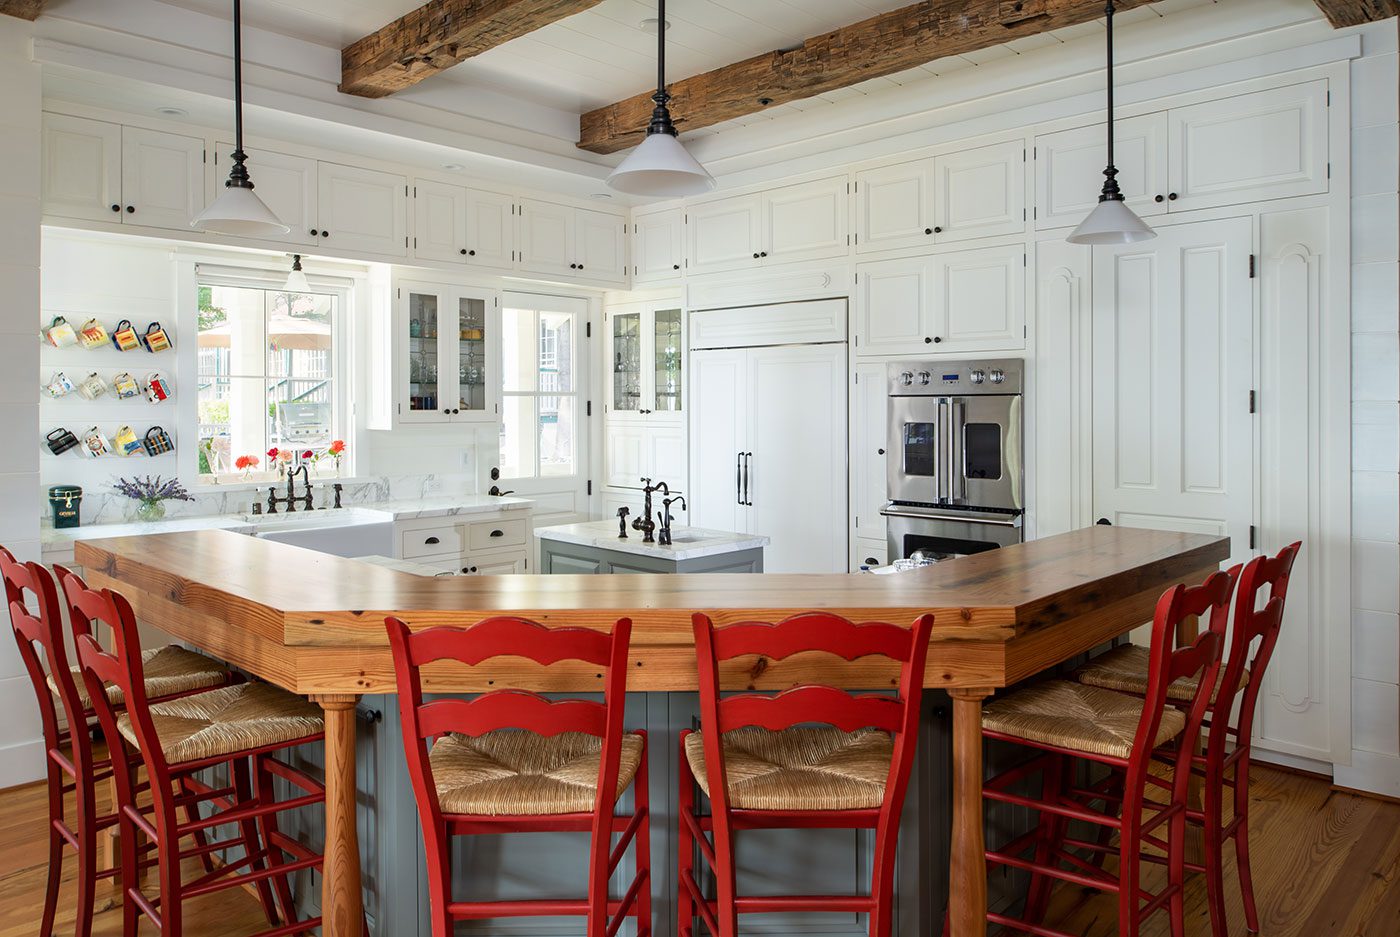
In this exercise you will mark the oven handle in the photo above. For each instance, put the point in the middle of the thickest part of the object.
(973, 517)
(940, 457)
(957, 419)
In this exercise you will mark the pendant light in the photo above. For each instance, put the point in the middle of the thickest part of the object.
(296, 280)
(1111, 221)
(660, 166)
(237, 210)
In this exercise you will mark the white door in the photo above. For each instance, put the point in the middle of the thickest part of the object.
(162, 178)
(439, 221)
(1268, 144)
(719, 412)
(796, 472)
(980, 192)
(980, 296)
(805, 222)
(600, 248)
(362, 210)
(724, 234)
(82, 168)
(658, 245)
(286, 184)
(894, 306)
(1173, 364)
(894, 206)
(869, 399)
(547, 237)
(490, 229)
(1069, 168)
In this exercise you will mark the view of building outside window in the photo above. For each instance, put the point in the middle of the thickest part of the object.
(539, 402)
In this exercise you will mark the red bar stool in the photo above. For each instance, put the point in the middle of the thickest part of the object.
(809, 757)
(1255, 631)
(43, 649)
(511, 761)
(1067, 723)
(174, 740)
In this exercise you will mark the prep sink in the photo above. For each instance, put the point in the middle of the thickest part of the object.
(346, 532)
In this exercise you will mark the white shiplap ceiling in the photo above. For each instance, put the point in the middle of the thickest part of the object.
(604, 54)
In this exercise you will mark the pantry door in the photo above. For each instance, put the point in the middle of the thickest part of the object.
(1173, 353)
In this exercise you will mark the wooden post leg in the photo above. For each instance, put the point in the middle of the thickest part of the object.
(967, 883)
(342, 903)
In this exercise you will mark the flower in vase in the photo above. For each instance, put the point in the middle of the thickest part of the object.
(246, 464)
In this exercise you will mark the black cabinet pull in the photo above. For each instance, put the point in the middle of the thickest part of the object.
(937, 339)
(1160, 198)
(471, 253)
(937, 229)
(463, 252)
(325, 234)
(498, 533)
(456, 410)
(871, 561)
(928, 230)
(1173, 196)
(466, 569)
(432, 540)
(116, 208)
(473, 569)
(580, 266)
(927, 340)
(131, 209)
(573, 266)
(1104, 522)
(675, 266)
(313, 232)
(880, 451)
(446, 410)
(755, 255)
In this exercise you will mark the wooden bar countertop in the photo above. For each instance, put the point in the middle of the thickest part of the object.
(314, 623)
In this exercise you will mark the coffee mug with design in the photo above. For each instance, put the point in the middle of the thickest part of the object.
(92, 334)
(60, 334)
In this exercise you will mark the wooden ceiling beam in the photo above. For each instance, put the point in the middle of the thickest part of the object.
(1355, 12)
(881, 45)
(437, 36)
(24, 9)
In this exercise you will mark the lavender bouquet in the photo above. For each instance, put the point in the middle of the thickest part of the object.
(152, 493)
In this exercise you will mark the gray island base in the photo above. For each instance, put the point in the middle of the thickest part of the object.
(595, 547)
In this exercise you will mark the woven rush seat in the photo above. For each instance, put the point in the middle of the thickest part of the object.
(227, 720)
(1125, 669)
(799, 768)
(1075, 716)
(169, 670)
(515, 773)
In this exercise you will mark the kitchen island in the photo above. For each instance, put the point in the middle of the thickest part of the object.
(313, 624)
(596, 547)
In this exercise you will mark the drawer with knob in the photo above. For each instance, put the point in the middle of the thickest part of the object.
(446, 540)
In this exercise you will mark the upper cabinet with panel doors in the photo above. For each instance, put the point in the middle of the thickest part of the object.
(287, 184)
(445, 348)
(645, 352)
(362, 210)
(973, 193)
(577, 243)
(806, 221)
(1243, 148)
(956, 301)
(658, 245)
(454, 224)
(100, 171)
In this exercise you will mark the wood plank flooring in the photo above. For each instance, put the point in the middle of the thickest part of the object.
(1327, 864)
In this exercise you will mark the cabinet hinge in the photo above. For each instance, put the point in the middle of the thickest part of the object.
(1023, 154)
(848, 240)
(400, 408)
(848, 188)
(588, 408)
(1024, 261)
(1253, 536)
(405, 237)
(415, 191)
(588, 330)
(415, 242)
(1329, 170)
(1253, 271)
(399, 292)
(1329, 97)
(206, 156)
(405, 191)
(1253, 401)
(1023, 214)
(590, 491)
(857, 520)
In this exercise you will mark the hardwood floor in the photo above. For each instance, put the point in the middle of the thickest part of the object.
(1326, 864)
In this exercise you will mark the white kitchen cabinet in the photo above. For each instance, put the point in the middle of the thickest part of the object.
(658, 245)
(866, 552)
(439, 221)
(719, 428)
(490, 229)
(285, 183)
(490, 544)
(162, 178)
(82, 168)
(806, 221)
(894, 206)
(571, 242)
(980, 192)
(1249, 147)
(972, 300)
(445, 347)
(645, 394)
(623, 453)
(1069, 168)
(868, 403)
(362, 210)
(600, 245)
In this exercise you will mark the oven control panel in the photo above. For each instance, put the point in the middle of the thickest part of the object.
(950, 378)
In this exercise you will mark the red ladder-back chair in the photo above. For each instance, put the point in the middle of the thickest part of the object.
(258, 720)
(1068, 722)
(43, 649)
(880, 731)
(535, 736)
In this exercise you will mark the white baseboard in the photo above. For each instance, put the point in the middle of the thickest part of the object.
(21, 764)
(1296, 762)
(1368, 771)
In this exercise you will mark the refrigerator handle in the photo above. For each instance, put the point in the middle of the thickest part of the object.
(956, 440)
(738, 478)
(748, 466)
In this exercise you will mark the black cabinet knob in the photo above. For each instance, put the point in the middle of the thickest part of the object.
(928, 230)
(456, 410)
(466, 569)
(1160, 198)
(755, 255)
(880, 451)
(580, 266)
(473, 569)
(937, 229)
(1173, 197)
(573, 266)
(928, 340)
(675, 266)
(763, 253)
(446, 410)
(463, 252)
(313, 232)
(325, 234)
(937, 339)
(471, 253)
(131, 209)
(116, 208)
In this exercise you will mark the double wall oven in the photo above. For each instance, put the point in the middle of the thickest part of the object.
(954, 464)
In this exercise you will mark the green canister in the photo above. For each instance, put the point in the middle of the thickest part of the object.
(65, 501)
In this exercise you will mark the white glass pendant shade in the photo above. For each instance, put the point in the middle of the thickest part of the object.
(660, 167)
(296, 280)
(1111, 222)
(239, 211)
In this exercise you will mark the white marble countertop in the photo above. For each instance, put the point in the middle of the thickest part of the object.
(69, 535)
(689, 542)
(448, 506)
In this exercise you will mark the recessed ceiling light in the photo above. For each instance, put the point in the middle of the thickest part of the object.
(601, 196)
(453, 167)
(649, 25)
(172, 111)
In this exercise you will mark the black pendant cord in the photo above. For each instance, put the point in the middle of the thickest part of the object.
(661, 114)
(1111, 192)
(238, 175)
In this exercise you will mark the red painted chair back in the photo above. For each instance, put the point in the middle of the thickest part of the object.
(809, 703)
(509, 708)
(1259, 604)
(40, 640)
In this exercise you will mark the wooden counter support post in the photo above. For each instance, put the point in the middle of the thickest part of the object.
(967, 882)
(342, 903)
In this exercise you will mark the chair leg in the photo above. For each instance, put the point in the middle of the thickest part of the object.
(172, 897)
(685, 864)
(268, 828)
(1214, 858)
(56, 844)
(206, 861)
(1176, 874)
(1251, 913)
(253, 846)
(129, 843)
(643, 847)
(87, 863)
(1048, 839)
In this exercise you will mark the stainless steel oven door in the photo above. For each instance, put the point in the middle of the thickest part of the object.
(916, 466)
(985, 453)
(948, 535)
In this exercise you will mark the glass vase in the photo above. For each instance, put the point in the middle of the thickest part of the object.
(150, 511)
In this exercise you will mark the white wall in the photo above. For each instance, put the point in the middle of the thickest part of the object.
(1375, 383)
(21, 751)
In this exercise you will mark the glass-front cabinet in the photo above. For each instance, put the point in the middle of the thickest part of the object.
(646, 359)
(447, 371)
